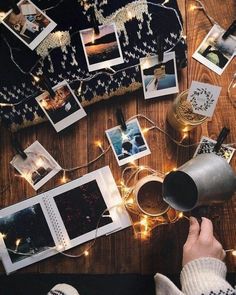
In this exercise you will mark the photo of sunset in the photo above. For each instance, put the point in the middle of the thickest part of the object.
(102, 47)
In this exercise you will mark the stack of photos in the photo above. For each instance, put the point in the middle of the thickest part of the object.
(216, 52)
(62, 110)
(61, 218)
(159, 78)
(128, 145)
(38, 167)
(207, 145)
(31, 25)
(101, 50)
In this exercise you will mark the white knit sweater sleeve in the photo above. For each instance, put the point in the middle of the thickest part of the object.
(203, 276)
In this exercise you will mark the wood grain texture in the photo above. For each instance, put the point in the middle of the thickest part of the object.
(121, 252)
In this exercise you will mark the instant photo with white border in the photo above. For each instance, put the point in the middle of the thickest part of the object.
(216, 33)
(38, 163)
(30, 25)
(68, 120)
(224, 152)
(152, 61)
(92, 36)
(125, 136)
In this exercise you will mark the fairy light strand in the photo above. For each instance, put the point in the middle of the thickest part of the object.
(201, 6)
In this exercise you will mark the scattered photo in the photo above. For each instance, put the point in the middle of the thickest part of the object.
(203, 98)
(215, 52)
(62, 110)
(31, 25)
(159, 78)
(81, 209)
(25, 232)
(128, 145)
(38, 167)
(207, 145)
(101, 50)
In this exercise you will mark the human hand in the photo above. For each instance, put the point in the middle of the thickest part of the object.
(201, 242)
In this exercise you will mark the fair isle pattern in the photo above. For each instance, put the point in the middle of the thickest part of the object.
(221, 292)
(56, 292)
(138, 38)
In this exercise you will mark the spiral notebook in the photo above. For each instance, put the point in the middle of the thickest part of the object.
(60, 219)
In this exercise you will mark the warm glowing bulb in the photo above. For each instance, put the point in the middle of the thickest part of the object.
(145, 130)
(122, 183)
(86, 253)
(36, 79)
(18, 242)
(192, 7)
(64, 178)
(234, 252)
(166, 1)
(98, 143)
(44, 103)
(141, 167)
(144, 221)
(185, 136)
(93, 37)
(129, 14)
(60, 247)
(185, 129)
(130, 201)
(181, 214)
(174, 169)
(3, 236)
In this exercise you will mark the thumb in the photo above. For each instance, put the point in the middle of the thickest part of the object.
(193, 230)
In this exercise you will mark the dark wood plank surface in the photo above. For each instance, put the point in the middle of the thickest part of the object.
(121, 252)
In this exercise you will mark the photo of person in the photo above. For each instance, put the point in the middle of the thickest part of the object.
(159, 78)
(25, 231)
(80, 209)
(128, 145)
(101, 50)
(62, 110)
(216, 52)
(38, 167)
(31, 25)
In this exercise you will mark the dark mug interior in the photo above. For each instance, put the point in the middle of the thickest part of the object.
(150, 200)
(180, 191)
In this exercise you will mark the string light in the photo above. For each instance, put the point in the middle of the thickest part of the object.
(86, 253)
(99, 144)
(64, 179)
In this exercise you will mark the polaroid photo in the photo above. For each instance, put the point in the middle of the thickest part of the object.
(207, 145)
(215, 52)
(102, 50)
(25, 235)
(62, 110)
(203, 98)
(128, 145)
(159, 78)
(31, 25)
(38, 167)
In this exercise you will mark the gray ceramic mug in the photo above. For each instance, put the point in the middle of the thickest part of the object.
(204, 180)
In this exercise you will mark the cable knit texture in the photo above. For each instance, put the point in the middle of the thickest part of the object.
(203, 276)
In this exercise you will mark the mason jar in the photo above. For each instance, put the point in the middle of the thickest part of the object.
(181, 116)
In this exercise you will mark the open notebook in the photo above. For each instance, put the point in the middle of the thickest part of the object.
(61, 218)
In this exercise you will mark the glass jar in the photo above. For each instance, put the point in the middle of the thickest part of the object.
(181, 116)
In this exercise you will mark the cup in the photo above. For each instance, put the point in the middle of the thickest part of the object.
(204, 180)
(148, 196)
(181, 116)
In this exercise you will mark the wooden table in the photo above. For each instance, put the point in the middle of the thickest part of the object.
(120, 252)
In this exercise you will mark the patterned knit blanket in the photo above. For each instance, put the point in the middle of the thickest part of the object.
(138, 36)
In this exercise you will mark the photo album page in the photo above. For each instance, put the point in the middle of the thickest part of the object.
(59, 219)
